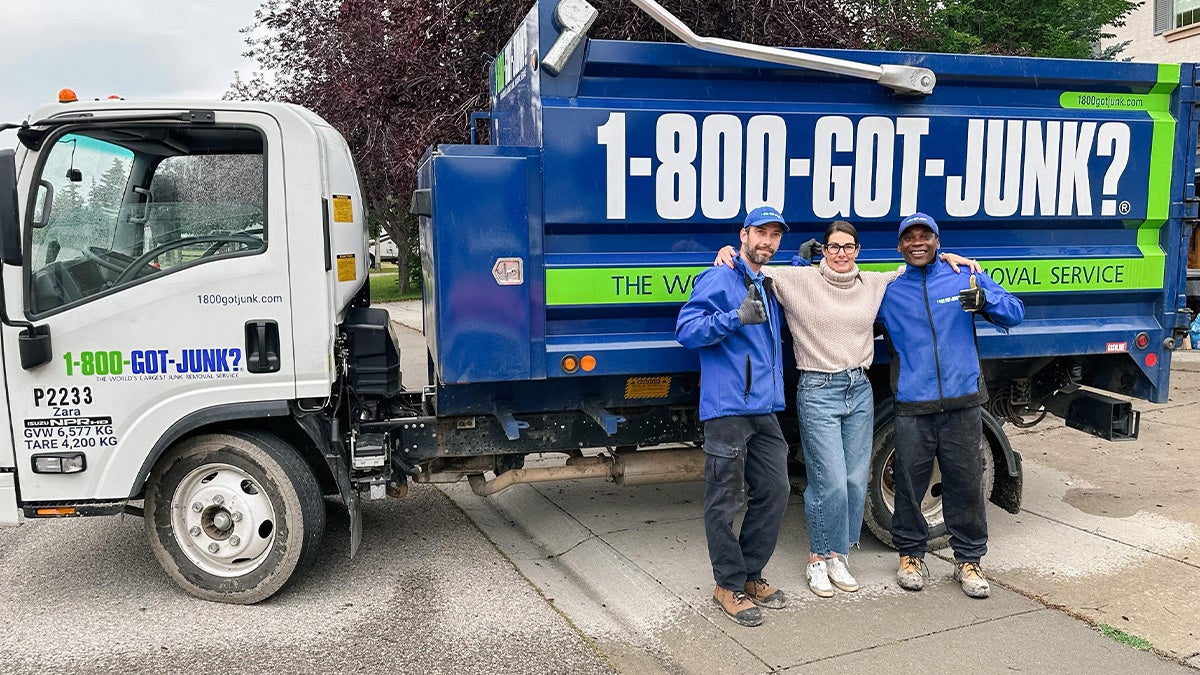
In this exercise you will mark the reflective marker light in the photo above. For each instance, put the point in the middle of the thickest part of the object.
(1152, 360)
(1141, 340)
(588, 363)
(57, 511)
(59, 462)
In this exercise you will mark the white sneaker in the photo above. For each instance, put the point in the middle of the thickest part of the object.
(839, 575)
(818, 579)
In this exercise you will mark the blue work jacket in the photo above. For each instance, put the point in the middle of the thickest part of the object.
(740, 366)
(935, 363)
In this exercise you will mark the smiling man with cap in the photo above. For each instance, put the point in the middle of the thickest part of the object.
(732, 320)
(929, 314)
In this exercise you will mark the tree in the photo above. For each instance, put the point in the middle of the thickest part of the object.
(1053, 28)
(808, 23)
(397, 76)
(393, 76)
(108, 193)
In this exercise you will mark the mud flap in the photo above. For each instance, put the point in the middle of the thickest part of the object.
(353, 507)
(338, 459)
(340, 464)
(1008, 479)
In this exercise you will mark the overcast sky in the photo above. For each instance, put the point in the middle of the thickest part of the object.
(133, 48)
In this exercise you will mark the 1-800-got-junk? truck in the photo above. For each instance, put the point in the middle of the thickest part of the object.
(187, 333)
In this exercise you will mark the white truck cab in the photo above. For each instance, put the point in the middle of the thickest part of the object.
(170, 269)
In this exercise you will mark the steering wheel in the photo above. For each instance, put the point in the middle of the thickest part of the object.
(247, 233)
(113, 261)
(140, 264)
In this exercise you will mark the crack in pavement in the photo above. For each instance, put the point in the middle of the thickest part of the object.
(891, 643)
(1112, 539)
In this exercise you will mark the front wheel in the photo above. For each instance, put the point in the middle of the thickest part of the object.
(881, 489)
(232, 516)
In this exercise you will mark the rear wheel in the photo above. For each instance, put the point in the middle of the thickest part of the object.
(881, 490)
(231, 517)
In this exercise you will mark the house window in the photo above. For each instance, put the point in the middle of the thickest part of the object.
(1187, 12)
(1171, 14)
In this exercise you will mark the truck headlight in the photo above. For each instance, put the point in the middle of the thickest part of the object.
(59, 462)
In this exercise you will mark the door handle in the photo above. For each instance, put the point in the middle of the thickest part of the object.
(262, 346)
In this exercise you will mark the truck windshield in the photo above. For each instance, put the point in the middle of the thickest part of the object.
(115, 206)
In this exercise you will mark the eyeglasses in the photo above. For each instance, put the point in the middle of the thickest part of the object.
(834, 249)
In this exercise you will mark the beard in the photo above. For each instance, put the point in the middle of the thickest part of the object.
(759, 256)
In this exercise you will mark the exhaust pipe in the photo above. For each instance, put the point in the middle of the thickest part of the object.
(638, 468)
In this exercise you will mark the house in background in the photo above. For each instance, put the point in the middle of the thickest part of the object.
(1162, 31)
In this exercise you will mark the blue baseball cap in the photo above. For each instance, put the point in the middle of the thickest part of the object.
(764, 215)
(919, 219)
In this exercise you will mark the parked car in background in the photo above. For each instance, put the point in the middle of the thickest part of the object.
(383, 249)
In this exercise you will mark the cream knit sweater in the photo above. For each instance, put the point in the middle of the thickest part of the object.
(830, 313)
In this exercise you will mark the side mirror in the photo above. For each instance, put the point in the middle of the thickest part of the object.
(35, 346)
(10, 223)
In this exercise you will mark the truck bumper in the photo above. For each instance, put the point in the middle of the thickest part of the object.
(9, 513)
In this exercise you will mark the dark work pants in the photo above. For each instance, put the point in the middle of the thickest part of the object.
(741, 452)
(955, 439)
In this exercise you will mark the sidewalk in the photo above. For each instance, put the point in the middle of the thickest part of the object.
(408, 313)
(1186, 359)
(629, 567)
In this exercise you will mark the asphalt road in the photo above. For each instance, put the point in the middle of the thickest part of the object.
(426, 593)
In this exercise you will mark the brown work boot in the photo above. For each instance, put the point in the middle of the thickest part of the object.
(912, 573)
(737, 606)
(764, 594)
(970, 575)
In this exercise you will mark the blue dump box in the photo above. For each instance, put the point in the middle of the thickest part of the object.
(556, 257)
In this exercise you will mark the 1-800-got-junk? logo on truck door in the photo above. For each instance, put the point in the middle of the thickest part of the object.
(141, 364)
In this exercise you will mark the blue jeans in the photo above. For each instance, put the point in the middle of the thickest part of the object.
(836, 418)
(740, 452)
(955, 439)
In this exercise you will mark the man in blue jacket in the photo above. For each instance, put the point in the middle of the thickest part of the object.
(929, 314)
(732, 319)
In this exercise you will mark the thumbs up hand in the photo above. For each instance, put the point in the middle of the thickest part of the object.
(809, 250)
(752, 310)
(973, 298)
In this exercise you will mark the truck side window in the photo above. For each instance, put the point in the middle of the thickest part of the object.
(205, 205)
(116, 206)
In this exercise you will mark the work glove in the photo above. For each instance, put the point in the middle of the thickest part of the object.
(973, 298)
(810, 249)
(751, 310)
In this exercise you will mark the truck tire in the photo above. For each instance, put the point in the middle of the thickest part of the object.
(881, 490)
(232, 516)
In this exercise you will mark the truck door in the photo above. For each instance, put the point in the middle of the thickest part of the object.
(154, 255)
